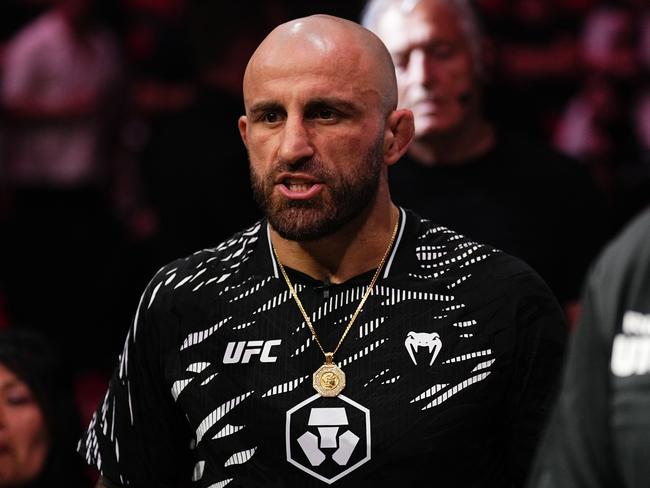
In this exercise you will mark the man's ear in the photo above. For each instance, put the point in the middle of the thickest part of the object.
(398, 135)
(242, 123)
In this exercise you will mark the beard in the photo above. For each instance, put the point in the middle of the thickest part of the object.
(344, 196)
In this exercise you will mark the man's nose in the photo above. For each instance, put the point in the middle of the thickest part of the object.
(296, 144)
(421, 68)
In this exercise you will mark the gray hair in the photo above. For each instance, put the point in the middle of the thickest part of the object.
(467, 18)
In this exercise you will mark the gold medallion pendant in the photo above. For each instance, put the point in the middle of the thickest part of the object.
(329, 379)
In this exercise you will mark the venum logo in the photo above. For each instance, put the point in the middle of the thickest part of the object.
(328, 437)
(415, 341)
(243, 351)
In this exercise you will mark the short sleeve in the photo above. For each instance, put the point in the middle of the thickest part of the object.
(137, 437)
(541, 334)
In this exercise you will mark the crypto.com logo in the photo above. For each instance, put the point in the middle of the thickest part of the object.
(328, 437)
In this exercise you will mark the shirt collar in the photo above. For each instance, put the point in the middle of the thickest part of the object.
(399, 260)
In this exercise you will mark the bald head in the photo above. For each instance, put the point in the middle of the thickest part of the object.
(321, 127)
(326, 43)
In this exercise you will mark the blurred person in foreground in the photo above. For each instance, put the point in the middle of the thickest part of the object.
(461, 171)
(39, 421)
(342, 339)
(599, 434)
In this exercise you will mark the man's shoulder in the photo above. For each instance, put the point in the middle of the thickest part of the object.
(476, 273)
(211, 266)
(457, 252)
(430, 234)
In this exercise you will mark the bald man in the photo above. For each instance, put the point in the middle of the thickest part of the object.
(341, 340)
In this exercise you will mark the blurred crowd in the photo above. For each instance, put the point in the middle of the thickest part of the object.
(576, 73)
(119, 148)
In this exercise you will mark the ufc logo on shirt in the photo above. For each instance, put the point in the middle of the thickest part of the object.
(243, 351)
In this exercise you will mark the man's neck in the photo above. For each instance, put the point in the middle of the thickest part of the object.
(454, 148)
(353, 250)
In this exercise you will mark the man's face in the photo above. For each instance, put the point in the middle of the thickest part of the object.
(313, 129)
(434, 66)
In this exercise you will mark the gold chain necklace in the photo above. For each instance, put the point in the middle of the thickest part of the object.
(329, 379)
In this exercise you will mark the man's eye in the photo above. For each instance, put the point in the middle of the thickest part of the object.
(270, 117)
(325, 113)
(443, 51)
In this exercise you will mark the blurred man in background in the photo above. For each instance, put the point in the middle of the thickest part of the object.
(462, 171)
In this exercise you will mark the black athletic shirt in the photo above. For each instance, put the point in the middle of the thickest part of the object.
(520, 197)
(451, 368)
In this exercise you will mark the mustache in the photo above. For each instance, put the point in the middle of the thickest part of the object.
(312, 166)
